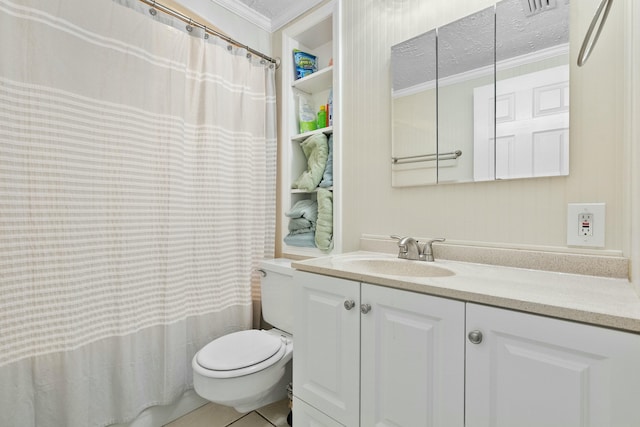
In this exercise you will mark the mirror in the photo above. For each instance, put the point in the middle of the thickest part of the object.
(501, 97)
(413, 111)
(466, 57)
(532, 90)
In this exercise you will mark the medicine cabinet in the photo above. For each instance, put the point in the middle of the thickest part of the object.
(483, 98)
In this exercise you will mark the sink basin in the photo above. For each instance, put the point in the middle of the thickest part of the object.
(399, 267)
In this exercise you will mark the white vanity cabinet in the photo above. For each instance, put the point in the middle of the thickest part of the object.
(532, 371)
(368, 355)
(308, 416)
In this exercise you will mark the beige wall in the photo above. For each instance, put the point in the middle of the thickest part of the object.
(514, 213)
(520, 213)
(632, 137)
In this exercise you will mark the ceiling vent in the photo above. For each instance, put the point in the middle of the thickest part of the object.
(532, 7)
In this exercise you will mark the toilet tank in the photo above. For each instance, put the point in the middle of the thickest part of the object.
(277, 293)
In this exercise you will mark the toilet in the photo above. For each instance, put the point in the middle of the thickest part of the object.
(250, 369)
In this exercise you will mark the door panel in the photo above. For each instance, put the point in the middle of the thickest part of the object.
(532, 371)
(327, 345)
(412, 359)
(531, 126)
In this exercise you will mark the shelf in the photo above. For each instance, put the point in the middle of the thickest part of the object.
(316, 33)
(316, 82)
(315, 190)
(302, 136)
(301, 252)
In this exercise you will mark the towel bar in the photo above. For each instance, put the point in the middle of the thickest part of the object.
(426, 157)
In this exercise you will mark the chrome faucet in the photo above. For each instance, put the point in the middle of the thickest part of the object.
(426, 252)
(409, 248)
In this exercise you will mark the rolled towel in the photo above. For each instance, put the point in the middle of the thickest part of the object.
(305, 208)
(296, 224)
(324, 225)
(302, 240)
(316, 150)
(327, 177)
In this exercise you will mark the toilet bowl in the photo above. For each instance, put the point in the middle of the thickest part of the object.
(245, 388)
(250, 369)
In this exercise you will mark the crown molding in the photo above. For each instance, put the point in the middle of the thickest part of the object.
(245, 12)
(292, 13)
(262, 21)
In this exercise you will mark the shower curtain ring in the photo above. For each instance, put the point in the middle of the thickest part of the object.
(189, 27)
(152, 9)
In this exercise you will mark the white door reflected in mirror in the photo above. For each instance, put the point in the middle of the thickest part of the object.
(531, 127)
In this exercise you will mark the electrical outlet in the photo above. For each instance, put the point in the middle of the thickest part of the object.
(586, 224)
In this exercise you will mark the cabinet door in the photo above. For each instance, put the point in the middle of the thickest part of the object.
(308, 416)
(412, 356)
(533, 371)
(327, 345)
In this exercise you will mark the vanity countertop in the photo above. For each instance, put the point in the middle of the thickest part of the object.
(600, 301)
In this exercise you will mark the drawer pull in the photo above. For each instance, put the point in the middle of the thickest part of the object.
(475, 337)
(349, 304)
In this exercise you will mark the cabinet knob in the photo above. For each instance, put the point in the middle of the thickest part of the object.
(475, 337)
(365, 308)
(349, 304)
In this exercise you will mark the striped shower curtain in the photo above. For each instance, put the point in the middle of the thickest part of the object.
(137, 197)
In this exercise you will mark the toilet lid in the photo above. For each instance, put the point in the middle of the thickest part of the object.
(239, 350)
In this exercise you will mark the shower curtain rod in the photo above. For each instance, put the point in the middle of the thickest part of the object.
(191, 23)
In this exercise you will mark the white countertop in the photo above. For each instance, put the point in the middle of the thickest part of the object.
(601, 301)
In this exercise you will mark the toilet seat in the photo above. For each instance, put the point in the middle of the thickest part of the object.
(241, 353)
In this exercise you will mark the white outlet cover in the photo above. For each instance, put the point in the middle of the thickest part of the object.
(573, 224)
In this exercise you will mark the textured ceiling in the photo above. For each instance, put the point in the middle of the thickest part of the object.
(270, 8)
(268, 14)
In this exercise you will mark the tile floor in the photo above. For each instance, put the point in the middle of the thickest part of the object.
(212, 415)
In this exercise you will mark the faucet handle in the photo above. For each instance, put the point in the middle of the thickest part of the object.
(400, 239)
(402, 247)
(426, 252)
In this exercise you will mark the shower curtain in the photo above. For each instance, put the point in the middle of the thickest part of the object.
(137, 197)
